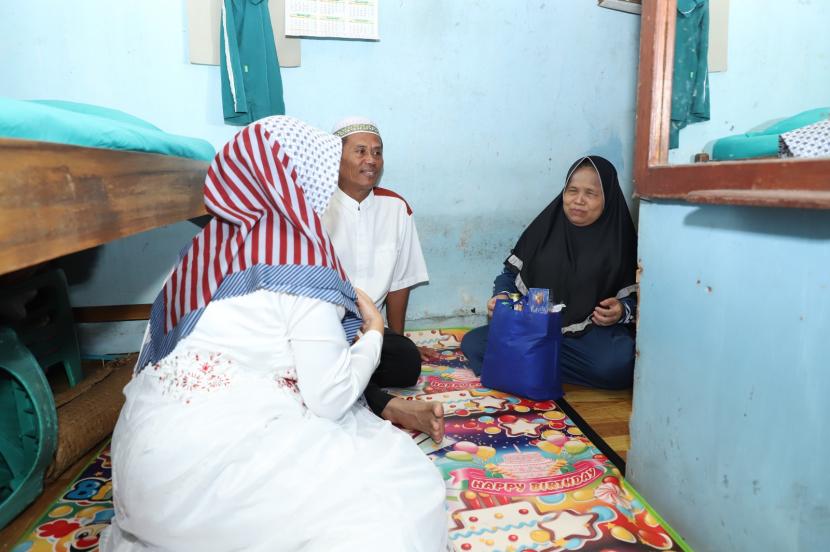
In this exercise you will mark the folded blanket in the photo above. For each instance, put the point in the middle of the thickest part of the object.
(809, 141)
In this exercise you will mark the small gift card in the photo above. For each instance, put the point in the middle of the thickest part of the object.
(537, 300)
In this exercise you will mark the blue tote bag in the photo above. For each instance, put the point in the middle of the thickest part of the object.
(522, 355)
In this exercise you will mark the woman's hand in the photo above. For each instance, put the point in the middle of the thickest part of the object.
(372, 319)
(608, 312)
(491, 304)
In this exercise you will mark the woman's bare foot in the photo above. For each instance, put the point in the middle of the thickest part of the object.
(417, 415)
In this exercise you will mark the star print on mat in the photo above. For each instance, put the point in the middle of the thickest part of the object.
(566, 525)
(521, 427)
(489, 402)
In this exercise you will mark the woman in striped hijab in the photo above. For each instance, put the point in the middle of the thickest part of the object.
(241, 428)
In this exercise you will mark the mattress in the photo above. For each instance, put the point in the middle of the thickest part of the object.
(763, 142)
(93, 126)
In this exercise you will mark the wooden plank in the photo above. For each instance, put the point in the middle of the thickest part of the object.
(576, 392)
(607, 412)
(612, 429)
(111, 313)
(663, 73)
(759, 175)
(619, 444)
(653, 87)
(57, 199)
(804, 199)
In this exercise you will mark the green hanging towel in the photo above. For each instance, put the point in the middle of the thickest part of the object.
(690, 84)
(251, 83)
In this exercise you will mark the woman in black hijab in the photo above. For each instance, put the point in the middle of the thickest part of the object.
(583, 248)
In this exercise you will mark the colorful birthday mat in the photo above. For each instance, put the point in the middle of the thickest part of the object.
(520, 476)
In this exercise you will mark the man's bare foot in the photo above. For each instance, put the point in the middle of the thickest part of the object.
(418, 415)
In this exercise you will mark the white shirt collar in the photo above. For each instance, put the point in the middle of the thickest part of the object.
(351, 204)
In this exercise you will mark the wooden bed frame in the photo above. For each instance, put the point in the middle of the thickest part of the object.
(57, 199)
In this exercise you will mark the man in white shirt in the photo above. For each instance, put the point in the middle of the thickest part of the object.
(374, 235)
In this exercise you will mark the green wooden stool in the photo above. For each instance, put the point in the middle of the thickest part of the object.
(28, 426)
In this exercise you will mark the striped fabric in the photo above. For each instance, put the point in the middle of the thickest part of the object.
(266, 190)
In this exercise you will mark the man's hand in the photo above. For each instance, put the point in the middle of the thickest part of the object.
(608, 312)
(429, 355)
(491, 304)
(372, 319)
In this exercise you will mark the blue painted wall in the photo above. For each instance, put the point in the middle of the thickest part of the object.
(482, 105)
(729, 436)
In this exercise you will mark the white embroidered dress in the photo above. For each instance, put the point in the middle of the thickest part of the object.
(217, 449)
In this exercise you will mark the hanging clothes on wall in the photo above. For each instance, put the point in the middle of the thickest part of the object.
(690, 84)
(250, 69)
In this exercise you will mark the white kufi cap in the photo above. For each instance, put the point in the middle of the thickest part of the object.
(352, 125)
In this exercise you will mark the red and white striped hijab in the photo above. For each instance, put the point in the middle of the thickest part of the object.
(266, 190)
